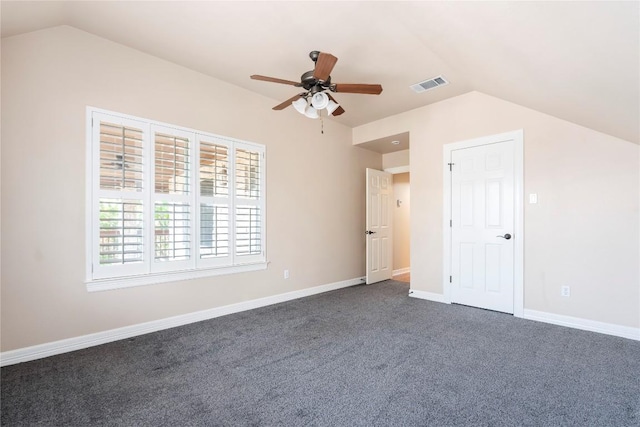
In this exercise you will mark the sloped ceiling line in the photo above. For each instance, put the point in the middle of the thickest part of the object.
(578, 61)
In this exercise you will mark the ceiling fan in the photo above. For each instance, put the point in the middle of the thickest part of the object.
(317, 85)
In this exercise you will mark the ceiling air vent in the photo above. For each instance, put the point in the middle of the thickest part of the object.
(429, 84)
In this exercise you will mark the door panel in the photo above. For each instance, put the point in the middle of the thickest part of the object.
(379, 226)
(482, 208)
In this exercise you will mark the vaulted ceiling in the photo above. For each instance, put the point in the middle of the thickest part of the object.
(579, 61)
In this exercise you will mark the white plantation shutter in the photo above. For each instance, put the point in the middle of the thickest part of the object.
(172, 165)
(214, 231)
(121, 157)
(249, 204)
(248, 230)
(215, 202)
(172, 231)
(121, 231)
(171, 200)
(119, 176)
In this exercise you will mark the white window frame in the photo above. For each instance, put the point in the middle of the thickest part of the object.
(99, 277)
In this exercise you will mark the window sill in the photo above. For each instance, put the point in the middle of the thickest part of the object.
(151, 279)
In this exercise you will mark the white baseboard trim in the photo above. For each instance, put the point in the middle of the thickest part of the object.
(584, 324)
(77, 343)
(401, 271)
(428, 296)
(555, 319)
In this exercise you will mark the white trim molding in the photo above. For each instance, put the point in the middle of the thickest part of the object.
(429, 296)
(397, 169)
(583, 324)
(151, 279)
(628, 332)
(401, 271)
(517, 136)
(77, 343)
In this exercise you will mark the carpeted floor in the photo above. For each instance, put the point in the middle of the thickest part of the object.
(361, 356)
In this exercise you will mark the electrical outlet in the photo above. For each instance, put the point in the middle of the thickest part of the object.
(286, 274)
(565, 291)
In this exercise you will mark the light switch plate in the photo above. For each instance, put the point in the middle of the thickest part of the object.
(533, 198)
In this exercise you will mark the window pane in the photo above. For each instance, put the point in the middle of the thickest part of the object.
(214, 164)
(248, 233)
(121, 231)
(121, 154)
(214, 231)
(247, 174)
(172, 167)
(172, 231)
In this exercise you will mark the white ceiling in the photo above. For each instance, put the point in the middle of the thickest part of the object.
(388, 144)
(579, 61)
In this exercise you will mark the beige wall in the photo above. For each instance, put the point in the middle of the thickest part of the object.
(314, 218)
(584, 231)
(396, 159)
(401, 221)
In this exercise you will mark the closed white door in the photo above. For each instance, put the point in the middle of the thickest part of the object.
(379, 226)
(482, 226)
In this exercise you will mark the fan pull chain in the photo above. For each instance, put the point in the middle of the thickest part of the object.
(321, 125)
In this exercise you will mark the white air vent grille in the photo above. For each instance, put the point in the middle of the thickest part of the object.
(429, 84)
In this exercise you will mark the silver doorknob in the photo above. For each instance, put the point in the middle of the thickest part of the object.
(506, 236)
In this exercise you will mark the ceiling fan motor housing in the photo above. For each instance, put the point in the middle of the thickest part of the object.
(312, 84)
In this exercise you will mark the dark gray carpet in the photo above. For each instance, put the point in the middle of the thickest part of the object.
(361, 356)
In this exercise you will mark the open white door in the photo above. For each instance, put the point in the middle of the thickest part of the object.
(482, 226)
(379, 226)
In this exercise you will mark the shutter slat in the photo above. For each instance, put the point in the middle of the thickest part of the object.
(214, 230)
(214, 165)
(121, 158)
(172, 231)
(121, 221)
(248, 230)
(172, 164)
(247, 174)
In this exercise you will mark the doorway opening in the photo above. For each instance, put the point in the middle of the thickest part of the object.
(394, 150)
(401, 227)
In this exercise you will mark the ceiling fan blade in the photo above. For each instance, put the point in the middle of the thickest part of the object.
(275, 80)
(338, 110)
(324, 66)
(358, 88)
(288, 102)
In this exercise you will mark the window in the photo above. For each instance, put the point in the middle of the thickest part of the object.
(169, 203)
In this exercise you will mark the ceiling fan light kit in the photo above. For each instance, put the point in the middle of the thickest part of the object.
(331, 107)
(300, 105)
(317, 84)
(311, 112)
(319, 100)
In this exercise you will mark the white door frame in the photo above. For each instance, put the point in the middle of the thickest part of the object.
(517, 137)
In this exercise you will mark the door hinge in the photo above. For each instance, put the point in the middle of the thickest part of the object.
(450, 279)
(451, 166)
(450, 223)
